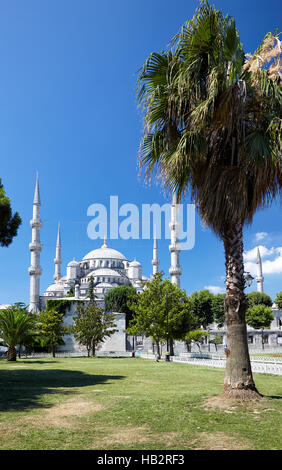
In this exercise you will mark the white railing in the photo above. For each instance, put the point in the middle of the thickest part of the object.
(260, 366)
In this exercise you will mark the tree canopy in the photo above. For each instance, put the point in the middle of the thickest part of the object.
(161, 311)
(16, 328)
(259, 298)
(118, 298)
(278, 300)
(9, 222)
(91, 325)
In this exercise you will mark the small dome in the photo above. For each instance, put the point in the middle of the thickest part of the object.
(134, 263)
(73, 263)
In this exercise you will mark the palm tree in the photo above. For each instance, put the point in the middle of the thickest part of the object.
(212, 130)
(16, 328)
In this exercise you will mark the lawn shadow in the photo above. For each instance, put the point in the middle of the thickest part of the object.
(273, 397)
(21, 389)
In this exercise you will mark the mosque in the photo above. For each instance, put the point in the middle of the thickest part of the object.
(106, 266)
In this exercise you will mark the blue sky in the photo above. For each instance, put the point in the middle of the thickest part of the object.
(68, 108)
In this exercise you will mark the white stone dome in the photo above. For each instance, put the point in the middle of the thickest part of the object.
(104, 253)
(73, 263)
(134, 264)
(55, 288)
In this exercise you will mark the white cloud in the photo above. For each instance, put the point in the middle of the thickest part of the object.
(260, 236)
(216, 289)
(251, 255)
(269, 266)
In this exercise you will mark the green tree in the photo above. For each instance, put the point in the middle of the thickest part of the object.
(196, 336)
(201, 303)
(259, 298)
(212, 130)
(162, 311)
(9, 222)
(16, 329)
(278, 300)
(259, 317)
(118, 298)
(50, 329)
(91, 294)
(218, 309)
(91, 326)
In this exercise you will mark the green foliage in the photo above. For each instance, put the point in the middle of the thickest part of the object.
(58, 305)
(118, 298)
(212, 119)
(161, 306)
(70, 293)
(91, 294)
(9, 223)
(259, 298)
(259, 316)
(201, 304)
(195, 336)
(50, 328)
(16, 328)
(218, 310)
(278, 300)
(92, 325)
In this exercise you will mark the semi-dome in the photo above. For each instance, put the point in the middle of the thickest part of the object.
(104, 253)
(104, 272)
(55, 288)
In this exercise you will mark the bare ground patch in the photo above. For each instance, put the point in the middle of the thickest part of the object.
(122, 435)
(219, 441)
(220, 402)
(64, 414)
(129, 435)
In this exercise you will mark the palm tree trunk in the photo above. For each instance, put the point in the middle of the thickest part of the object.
(238, 381)
(12, 354)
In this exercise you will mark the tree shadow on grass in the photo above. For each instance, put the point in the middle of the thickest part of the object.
(22, 389)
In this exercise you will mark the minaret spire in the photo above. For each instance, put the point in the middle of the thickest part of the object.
(175, 270)
(155, 260)
(35, 248)
(259, 278)
(58, 259)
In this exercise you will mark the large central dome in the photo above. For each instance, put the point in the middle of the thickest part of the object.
(104, 253)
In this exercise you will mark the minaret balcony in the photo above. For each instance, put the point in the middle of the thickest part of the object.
(58, 261)
(173, 248)
(36, 223)
(174, 226)
(155, 262)
(175, 271)
(32, 270)
(35, 246)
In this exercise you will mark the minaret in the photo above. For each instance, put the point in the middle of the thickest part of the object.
(259, 278)
(175, 270)
(35, 248)
(155, 260)
(58, 259)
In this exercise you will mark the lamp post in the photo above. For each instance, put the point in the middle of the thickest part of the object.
(248, 278)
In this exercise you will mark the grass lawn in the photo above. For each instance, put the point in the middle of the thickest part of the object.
(108, 403)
